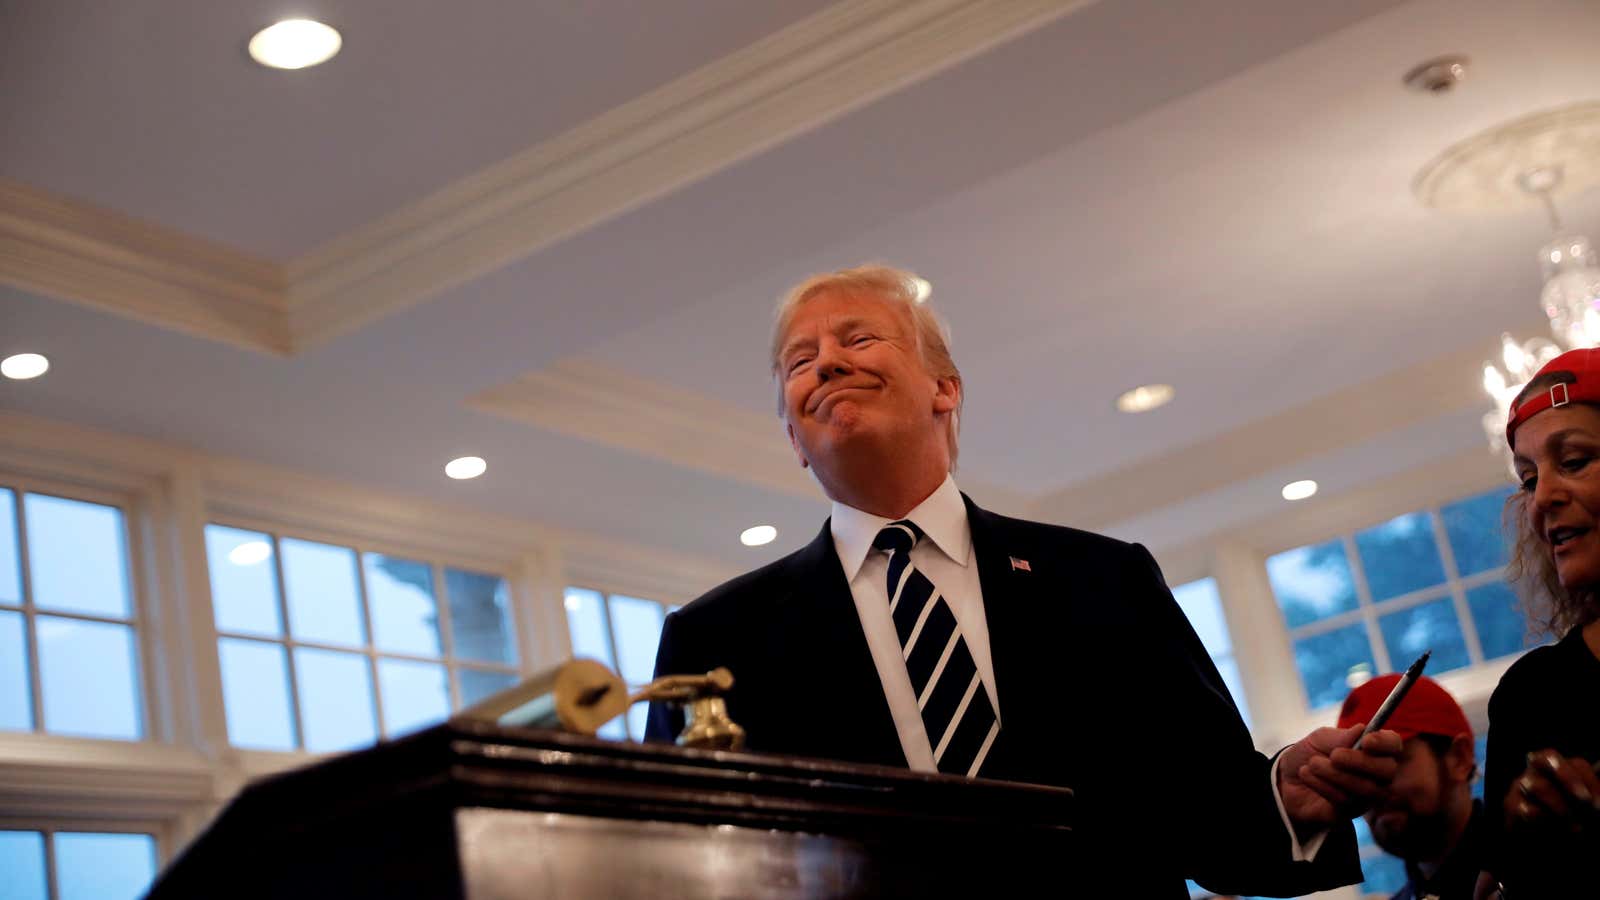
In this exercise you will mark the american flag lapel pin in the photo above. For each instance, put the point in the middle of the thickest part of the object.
(1020, 564)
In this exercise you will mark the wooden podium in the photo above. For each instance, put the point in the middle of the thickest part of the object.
(469, 810)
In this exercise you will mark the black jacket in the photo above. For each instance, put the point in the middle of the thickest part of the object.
(1103, 685)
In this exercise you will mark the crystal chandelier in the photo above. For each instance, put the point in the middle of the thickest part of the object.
(1571, 301)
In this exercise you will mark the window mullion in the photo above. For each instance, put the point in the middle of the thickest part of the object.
(616, 655)
(53, 883)
(372, 641)
(288, 644)
(1358, 573)
(30, 624)
(447, 638)
(1458, 595)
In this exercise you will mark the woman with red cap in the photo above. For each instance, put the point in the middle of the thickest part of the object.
(1541, 790)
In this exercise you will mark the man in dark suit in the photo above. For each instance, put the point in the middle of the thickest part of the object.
(920, 630)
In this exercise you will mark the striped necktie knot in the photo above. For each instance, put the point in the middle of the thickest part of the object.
(898, 537)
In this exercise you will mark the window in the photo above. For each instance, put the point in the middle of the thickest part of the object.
(69, 649)
(621, 632)
(76, 865)
(325, 647)
(1372, 601)
(1203, 607)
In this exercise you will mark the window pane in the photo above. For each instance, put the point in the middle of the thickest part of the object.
(77, 556)
(10, 572)
(615, 730)
(480, 617)
(477, 684)
(586, 621)
(1202, 606)
(1501, 627)
(104, 866)
(1400, 556)
(324, 603)
(1364, 836)
(1383, 875)
(1431, 626)
(16, 693)
(244, 581)
(90, 683)
(1312, 583)
(637, 626)
(1326, 661)
(335, 693)
(415, 694)
(255, 692)
(405, 618)
(1477, 537)
(22, 861)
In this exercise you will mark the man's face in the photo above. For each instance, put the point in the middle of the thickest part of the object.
(1413, 820)
(851, 376)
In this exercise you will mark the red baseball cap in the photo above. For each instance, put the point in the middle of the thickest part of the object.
(1584, 364)
(1427, 708)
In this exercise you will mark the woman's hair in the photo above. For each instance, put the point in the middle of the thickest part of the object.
(1549, 606)
(897, 289)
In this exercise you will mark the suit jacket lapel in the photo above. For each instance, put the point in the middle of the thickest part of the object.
(1006, 590)
(827, 658)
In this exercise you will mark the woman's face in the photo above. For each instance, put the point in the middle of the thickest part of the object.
(1557, 459)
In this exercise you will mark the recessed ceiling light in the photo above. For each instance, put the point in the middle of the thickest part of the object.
(921, 289)
(295, 44)
(250, 553)
(1145, 397)
(24, 366)
(1299, 490)
(465, 467)
(758, 535)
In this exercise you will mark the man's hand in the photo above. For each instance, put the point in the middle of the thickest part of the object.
(1322, 780)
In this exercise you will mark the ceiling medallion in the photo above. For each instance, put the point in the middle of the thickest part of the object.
(1484, 172)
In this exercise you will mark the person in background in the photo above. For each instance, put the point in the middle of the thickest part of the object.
(920, 630)
(1541, 794)
(1428, 817)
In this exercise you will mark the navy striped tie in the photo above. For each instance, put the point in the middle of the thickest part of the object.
(956, 707)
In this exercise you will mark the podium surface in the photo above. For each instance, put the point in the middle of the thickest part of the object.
(475, 811)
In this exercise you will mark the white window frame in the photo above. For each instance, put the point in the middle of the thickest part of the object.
(438, 563)
(50, 826)
(1367, 612)
(136, 580)
(667, 606)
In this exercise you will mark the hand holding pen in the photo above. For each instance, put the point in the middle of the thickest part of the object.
(1398, 693)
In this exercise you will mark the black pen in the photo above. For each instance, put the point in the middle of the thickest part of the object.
(1395, 696)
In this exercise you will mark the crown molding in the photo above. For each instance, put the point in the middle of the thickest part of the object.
(251, 492)
(638, 572)
(57, 247)
(45, 448)
(794, 80)
(269, 497)
(593, 402)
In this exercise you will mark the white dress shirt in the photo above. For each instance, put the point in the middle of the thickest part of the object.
(945, 556)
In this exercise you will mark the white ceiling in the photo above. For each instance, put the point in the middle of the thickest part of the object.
(1211, 194)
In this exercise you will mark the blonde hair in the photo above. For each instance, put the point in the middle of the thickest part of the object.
(1547, 603)
(897, 288)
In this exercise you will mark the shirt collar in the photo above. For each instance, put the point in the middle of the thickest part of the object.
(942, 517)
